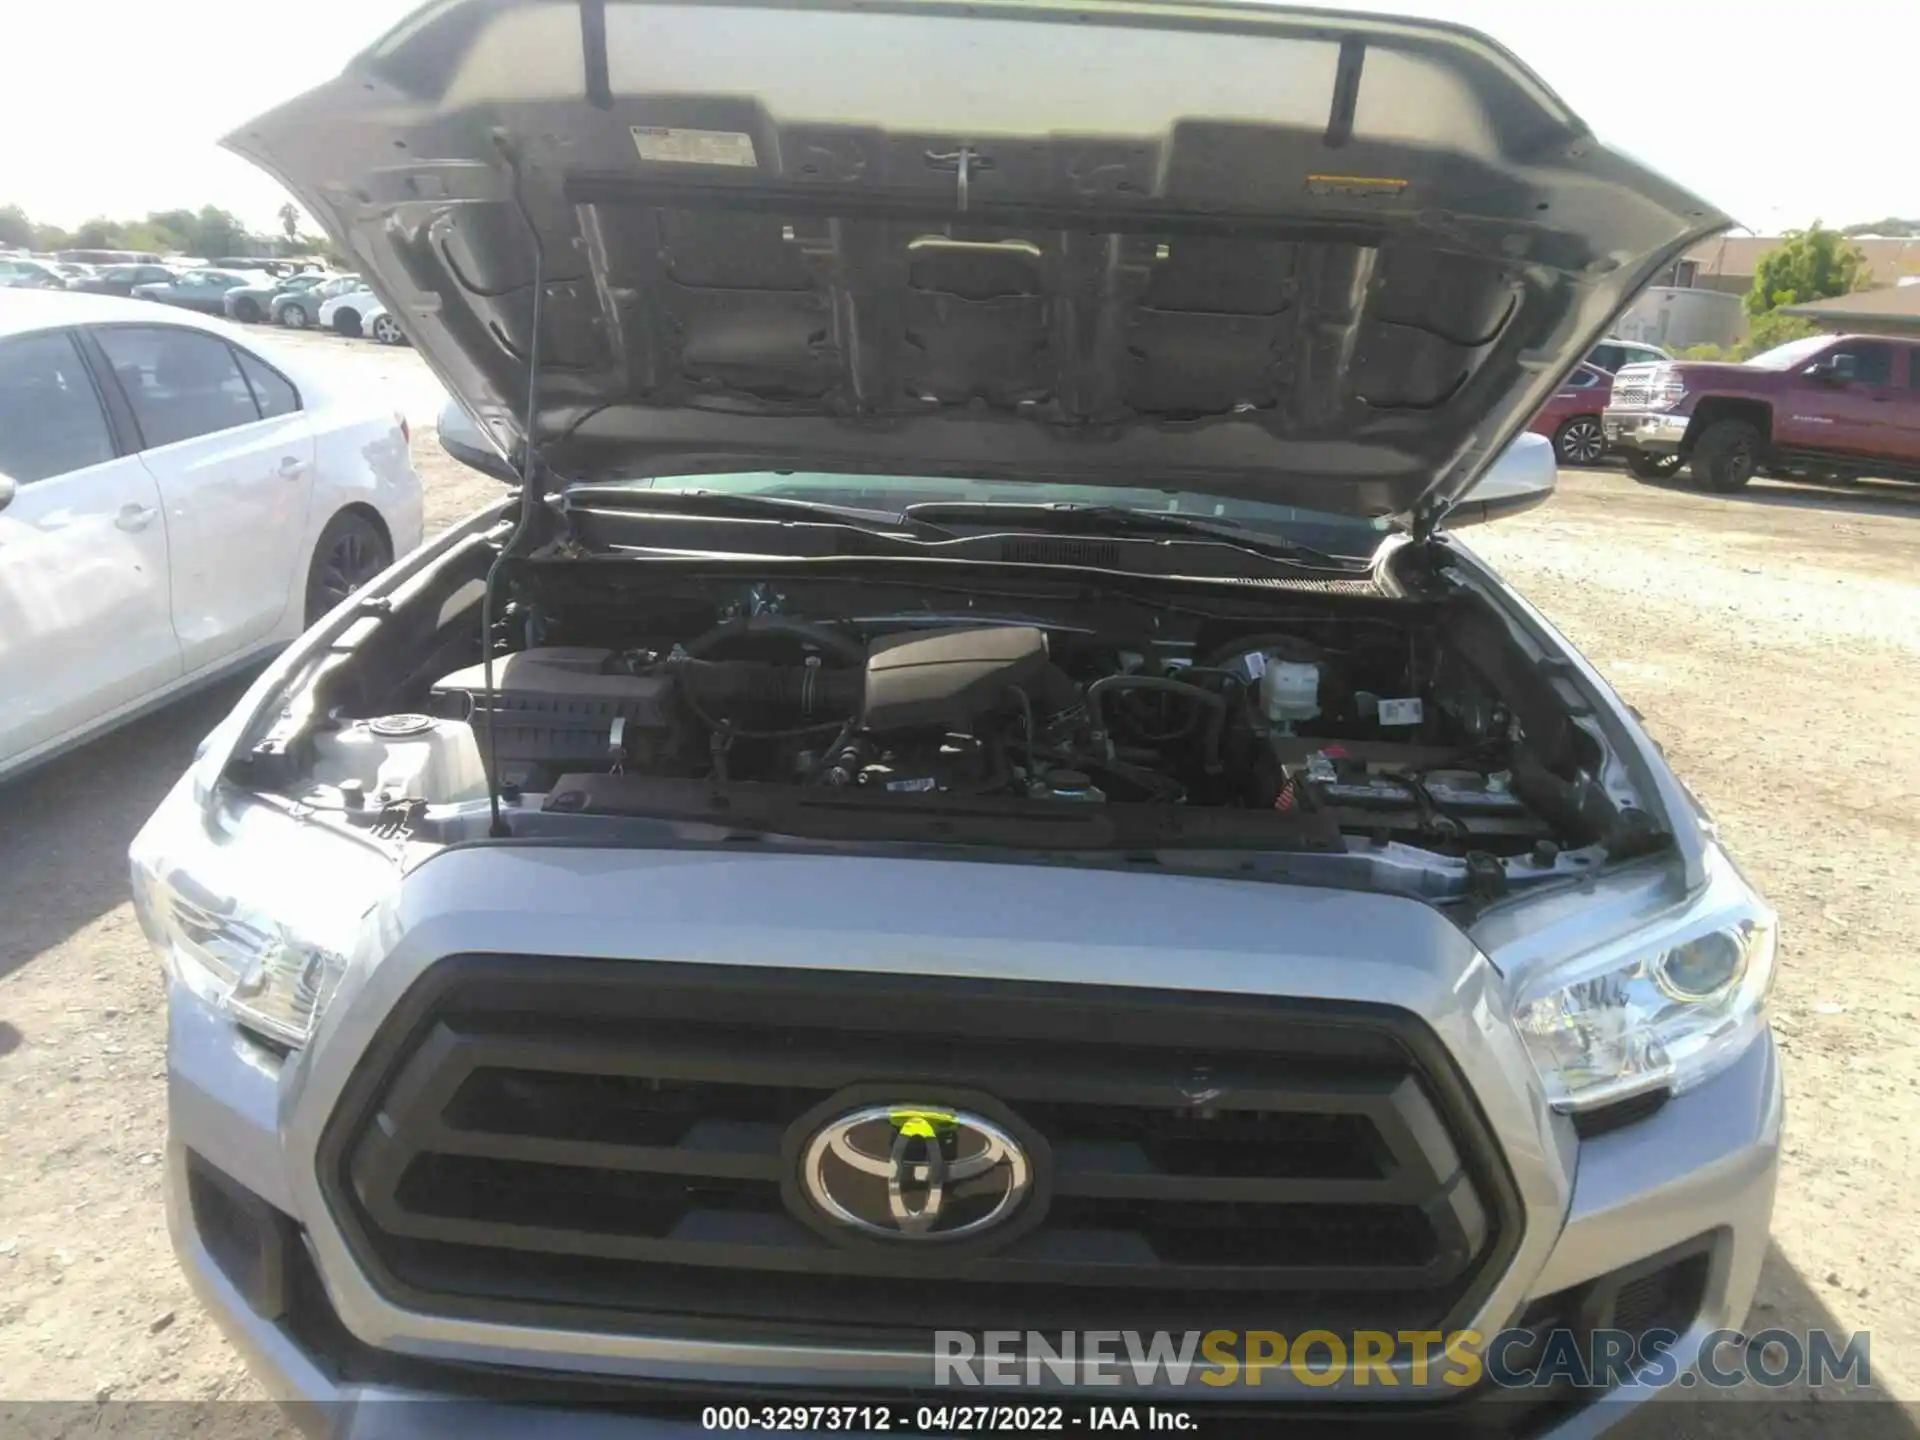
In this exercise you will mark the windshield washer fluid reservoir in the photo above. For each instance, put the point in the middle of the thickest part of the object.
(403, 757)
(1290, 690)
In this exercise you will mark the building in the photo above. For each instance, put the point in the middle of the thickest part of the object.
(1676, 317)
(1893, 311)
(1728, 262)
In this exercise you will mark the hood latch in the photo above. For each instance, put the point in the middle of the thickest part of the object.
(963, 162)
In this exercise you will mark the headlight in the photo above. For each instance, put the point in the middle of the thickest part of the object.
(1665, 390)
(1665, 1008)
(272, 980)
(259, 914)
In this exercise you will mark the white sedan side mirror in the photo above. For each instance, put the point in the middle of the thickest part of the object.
(470, 445)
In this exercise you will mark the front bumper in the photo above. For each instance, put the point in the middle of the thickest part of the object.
(1652, 433)
(1705, 1164)
(1702, 1166)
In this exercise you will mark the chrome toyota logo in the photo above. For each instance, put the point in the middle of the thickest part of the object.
(915, 1172)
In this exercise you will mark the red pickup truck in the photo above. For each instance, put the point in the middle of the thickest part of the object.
(1829, 406)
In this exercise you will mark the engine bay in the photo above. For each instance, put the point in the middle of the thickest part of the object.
(1305, 722)
(1266, 722)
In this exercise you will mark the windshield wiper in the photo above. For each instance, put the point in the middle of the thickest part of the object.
(1118, 520)
(728, 504)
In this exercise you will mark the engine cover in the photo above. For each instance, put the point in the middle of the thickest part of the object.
(947, 679)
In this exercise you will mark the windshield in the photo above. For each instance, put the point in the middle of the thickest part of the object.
(1338, 534)
(1785, 357)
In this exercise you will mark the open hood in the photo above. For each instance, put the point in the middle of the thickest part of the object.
(1285, 255)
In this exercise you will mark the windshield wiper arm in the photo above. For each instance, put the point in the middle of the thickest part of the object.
(727, 504)
(1118, 520)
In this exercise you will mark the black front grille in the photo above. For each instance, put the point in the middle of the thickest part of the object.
(604, 1142)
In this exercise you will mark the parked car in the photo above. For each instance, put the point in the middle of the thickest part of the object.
(1610, 354)
(961, 818)
(177, 503)
(1572, 417)
(109, 257)
(250, 304)
(121, 279)
(253, 262)
(346, 311)
(300, 310)
(204, 290)
(1830, 406)
(24, 272)
(377, 323)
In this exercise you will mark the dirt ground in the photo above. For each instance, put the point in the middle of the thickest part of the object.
(1770, 639)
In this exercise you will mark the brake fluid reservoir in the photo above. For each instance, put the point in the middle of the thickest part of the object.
(403, 757)
(1289, 690)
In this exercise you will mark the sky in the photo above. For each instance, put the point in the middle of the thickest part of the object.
(115, 107)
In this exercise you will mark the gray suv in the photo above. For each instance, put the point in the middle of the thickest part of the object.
(968, 783)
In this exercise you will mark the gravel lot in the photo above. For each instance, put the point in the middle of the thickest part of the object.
(1770, 639)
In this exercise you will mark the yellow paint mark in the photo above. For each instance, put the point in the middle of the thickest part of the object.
(922, 1124)
(1386, 182)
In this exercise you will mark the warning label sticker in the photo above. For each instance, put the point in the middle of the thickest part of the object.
(694, 147)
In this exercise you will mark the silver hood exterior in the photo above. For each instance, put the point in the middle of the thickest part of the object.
(1283, 255)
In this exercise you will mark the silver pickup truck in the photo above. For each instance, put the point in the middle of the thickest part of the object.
(967, 786)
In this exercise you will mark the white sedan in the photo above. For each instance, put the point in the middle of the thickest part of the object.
(359, 312)
(382, 326)
(177, 501)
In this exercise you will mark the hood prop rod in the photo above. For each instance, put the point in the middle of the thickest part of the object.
(530, 493)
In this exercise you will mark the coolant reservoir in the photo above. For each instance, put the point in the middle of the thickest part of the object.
(403, 757)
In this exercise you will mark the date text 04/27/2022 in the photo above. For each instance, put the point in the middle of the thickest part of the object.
(946, 1419)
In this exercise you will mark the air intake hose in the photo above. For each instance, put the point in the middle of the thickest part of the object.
(745, 697)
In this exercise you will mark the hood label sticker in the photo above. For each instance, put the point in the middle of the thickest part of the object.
(1402, 712)
(695, 147)
(1356, 187)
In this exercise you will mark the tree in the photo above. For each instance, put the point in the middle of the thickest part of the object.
(305, 244)
(153, 239)
(207, 232)
(16, 230)
(1766, 332)
(220, 232)
(1813, 264)
(1891, 227)
(178, 222)
(99, 233)
(1774, 329)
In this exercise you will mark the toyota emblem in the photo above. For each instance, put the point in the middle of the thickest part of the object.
(915, 1172)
